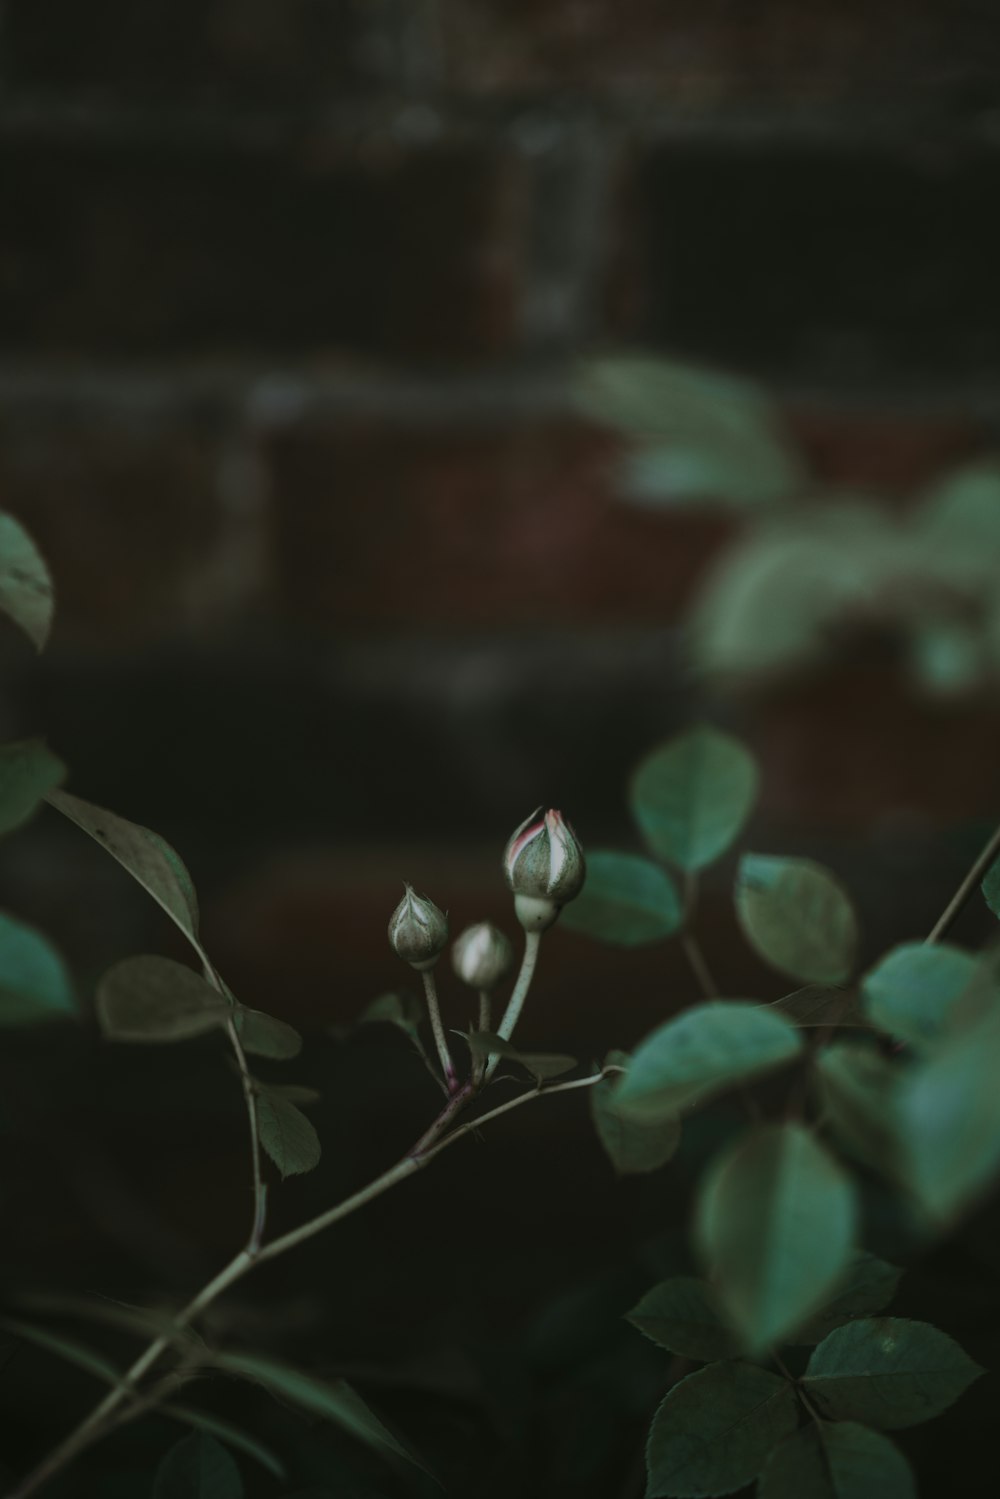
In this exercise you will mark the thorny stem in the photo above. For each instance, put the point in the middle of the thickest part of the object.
(983, 863)
(440, 1040)
(108, 1412)
(532, 943)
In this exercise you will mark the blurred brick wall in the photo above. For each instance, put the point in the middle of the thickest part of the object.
(289, 290)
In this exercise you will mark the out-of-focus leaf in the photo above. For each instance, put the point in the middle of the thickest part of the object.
(918, 991)
(26, 594)
(857, 1088)
(627, 900)
(776, 1220)
(703, 1051)
(34, 984)
(692, 795)
(541, 1065)
(234, 1436)
(836, 1460)
(154, 999)
(868, 1285)
(68, 1349)
(633, 1145)
(797, 916)
(28, 770)
(265, 1036)
(683, 1315)
(822, 1005)
(197, 1467)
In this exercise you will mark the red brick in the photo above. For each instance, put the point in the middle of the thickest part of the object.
(702, 54)
(471, 527)
(129, 522)
(125, 246)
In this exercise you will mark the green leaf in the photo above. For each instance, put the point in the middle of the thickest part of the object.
(868, 1286)
(234, 1436)
(265, 1036)
(403, 1010)
(286, 1134)
(626, 900)
(775, 1221)
(28, 770)
(541, 1065)
(917, 991)
(703, 1051)
(839, 1461)
(822, 1005)
(144, 1322)
(991, 888)
(149, 859)
(797, 916)
(34, 984)
(692, 796)
(714, 1430)
(887, 1372)
(153, 999)
(25, 585)
(856, 1088)
(717, 437)
(633, 1145)
(947, 1120)
(683, 1316)
(68, 1349)
(197, 1467)
(333, 1400)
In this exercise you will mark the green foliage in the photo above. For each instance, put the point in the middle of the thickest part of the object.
(633, 1145)
(233, 1436)
(915, 991)
(34, 984)
(856, 1088)
(197, 1467)
(775, 1222)
(683, 1315)
(947, 1119)
(541, 1065)
(868, 1285)
(265, 1036)
(700, 436)
(822, 1005)
(797, 916)
(26, 594)
(691, 796)
(148, 858)
(627, 900)
(153, 999)
(70, 1350)
(285, 1133)
(714, 1430)
(28, 770)
(703, 1051)
(887, 1372)
(991, 888)
(333, 1400)
(836, 1461)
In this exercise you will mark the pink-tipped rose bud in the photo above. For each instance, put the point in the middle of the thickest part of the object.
(545, 868)
(418, 931)
(482, 955)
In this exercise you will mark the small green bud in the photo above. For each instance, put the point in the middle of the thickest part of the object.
(544, 867)
(481, 955)
(418, 931)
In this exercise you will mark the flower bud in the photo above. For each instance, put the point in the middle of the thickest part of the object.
(545, 868)
(481, 955)
(418, 931)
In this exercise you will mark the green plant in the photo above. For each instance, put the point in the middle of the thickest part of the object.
(893, 1079)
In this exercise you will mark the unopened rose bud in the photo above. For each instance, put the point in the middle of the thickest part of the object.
(545, 868)
(481, 955)
(418, 931)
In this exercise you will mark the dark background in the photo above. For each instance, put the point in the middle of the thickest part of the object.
(290, 291)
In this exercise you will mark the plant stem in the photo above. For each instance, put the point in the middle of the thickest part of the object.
(485, 1011)
(430, 1144)
(250, 1098)
(983, 863)
(709, 988)
(532, 943)
(440, 1040)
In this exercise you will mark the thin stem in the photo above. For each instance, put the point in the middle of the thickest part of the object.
(952, 910)
(440, 1040)
(797, 1386)
(250, 1098)
(532, 943)
(703, 974)
(485, 1015)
